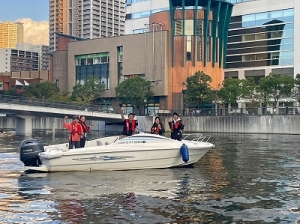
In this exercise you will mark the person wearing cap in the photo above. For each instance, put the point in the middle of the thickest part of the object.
(129, 125)
(176, 127)
(76, 132)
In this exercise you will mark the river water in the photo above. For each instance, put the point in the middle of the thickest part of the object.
(244, 179)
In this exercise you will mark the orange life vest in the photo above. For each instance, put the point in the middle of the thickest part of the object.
(132, 125)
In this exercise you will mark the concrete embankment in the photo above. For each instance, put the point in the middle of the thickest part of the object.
(276, 124)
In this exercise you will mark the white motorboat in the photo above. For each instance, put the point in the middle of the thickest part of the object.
(139, 151)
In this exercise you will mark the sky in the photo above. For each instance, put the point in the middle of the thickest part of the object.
(37, 10)
(34, 14)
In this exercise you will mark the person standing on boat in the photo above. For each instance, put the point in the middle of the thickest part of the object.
(176, 127)
(129, 125)
(157, 127)
(76, 132)
(85, 129)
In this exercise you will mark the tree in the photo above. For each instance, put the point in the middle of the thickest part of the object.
(41, 90)
(275, 86)
(89, 91)
(136, 91)
(231, 90)
(198, 89)
(249, 93)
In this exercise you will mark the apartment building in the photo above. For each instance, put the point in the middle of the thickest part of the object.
(13, 60)
(86, 19)
(42, 50)
(11, 34)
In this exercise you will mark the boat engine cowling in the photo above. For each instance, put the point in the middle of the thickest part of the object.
(29, 152)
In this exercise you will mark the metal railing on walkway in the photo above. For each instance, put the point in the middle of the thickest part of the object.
(55, 104)
(249, 111)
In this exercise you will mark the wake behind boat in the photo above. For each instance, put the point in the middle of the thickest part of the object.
(139, 151)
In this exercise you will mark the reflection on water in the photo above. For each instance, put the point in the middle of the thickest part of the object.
(245, 179)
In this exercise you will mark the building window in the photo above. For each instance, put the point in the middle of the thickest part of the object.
(57, 82)
(95, 65)
(189, 48)
(120, 53)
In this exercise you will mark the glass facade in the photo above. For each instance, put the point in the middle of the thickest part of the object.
(143, 30)
(189, 33)
(261, 39)
(95, 65)
(144, 14)
(240, 1)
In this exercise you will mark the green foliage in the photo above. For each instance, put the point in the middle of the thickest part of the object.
(198, 90)
(10, 92)
(43, 90)
(136, 91)
(231, 90)
(62, 97)
(89, 91)
(275, 86)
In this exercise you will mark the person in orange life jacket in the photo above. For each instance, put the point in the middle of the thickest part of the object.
(176, 127)
(85, 129)
(129, 125)
(75, 132)
(157, 127)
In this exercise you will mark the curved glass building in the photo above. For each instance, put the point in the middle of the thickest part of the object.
(198, 34)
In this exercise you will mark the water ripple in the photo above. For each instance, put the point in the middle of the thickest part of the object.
(245, 179)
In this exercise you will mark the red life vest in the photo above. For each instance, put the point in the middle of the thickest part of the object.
(132, 125)
(156, 129)
(175, 125)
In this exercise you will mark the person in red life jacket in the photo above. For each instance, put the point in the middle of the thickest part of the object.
(157, 127)
(129, 125)
(85, 129)
(176, 127)
(76, 132)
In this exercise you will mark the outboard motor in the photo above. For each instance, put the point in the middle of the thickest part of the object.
(29, 152)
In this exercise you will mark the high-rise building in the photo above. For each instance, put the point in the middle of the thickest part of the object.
(43, 51)
(264, 38)
(86, 18)
(10, 34)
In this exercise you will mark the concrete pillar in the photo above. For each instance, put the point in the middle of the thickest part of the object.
(53, 128)
(101, 126)
(24, 124)
(241, 74)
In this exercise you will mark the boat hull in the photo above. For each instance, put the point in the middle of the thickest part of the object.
(164, 153)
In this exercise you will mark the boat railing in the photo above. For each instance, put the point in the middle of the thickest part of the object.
(53, 148)
(200, 138)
